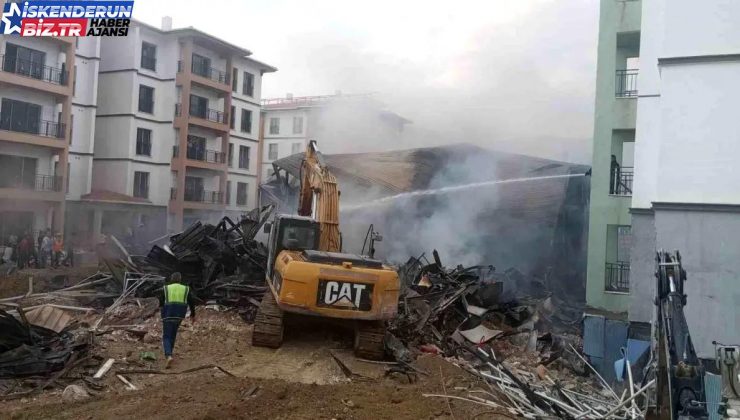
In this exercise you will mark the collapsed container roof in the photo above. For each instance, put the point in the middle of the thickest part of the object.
(388, 173)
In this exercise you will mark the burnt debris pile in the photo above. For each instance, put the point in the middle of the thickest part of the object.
(222, 263)
(524, 344)
(37, 349)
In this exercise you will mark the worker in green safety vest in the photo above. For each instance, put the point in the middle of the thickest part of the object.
(174, 300)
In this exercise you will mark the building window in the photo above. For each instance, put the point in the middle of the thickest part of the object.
(201, 65)
(146, 99)
(141, 184)
(228, 192)
(244, 157)
(297, 125)
(143, 142)
(25, 117)
(295, 148)
(71, 127)
(241, 193)
(199, 106)
(234, 80)
(24, 61)
(148, 56)
(248, 84)
(231, 154)
(246, 121)
(274, 125)
(272, 151)
(68, 176)
(74, 82)
(232, 117)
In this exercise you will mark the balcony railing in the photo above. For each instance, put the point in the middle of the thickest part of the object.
(33, 70)
(38, 183)
(204, 196)
(621, 181)
(208, 114)
(208, 72)
(204, 155)
(617, 277)
(40, 128)
(626, 83)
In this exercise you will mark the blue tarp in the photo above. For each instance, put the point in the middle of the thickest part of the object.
(635, 350)
(602, 340)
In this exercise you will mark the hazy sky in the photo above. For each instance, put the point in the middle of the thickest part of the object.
(515, 75)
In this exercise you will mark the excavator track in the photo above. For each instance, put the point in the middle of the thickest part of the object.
(369, 340)
(268, 324)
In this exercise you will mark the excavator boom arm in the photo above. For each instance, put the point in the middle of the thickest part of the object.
(319, 197)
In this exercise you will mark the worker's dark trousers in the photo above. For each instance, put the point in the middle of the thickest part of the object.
(169, 334)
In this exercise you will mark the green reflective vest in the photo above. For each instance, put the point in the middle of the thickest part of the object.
(176, 293)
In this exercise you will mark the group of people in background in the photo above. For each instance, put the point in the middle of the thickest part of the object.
(46, 250)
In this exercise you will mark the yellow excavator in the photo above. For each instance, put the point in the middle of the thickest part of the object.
(308, 274)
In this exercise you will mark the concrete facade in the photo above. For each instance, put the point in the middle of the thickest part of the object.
(334, 121)
(685, 191)
(37, 86)
(608, 269)
(180, 147)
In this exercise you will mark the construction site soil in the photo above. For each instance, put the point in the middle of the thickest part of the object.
(312, 376)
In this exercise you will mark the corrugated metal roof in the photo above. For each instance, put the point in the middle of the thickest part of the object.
(49, 317)
(412, 170)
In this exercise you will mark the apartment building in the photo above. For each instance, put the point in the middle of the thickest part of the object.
(176, 135)
(330, 119)
(664, 171)
(687, 142)
(37, 100)
(608, 272)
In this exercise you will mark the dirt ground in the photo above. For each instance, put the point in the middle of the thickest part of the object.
(301, 380)
(45, 279)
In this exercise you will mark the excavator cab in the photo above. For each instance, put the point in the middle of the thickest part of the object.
(292, 233)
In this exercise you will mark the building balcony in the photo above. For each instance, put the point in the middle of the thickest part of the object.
(617, 277)
(620, 182)
(207, 76)
(57, 76)
(35, 76)
(40, 133)
(205, 117)
(203, 155)
(626, 83)
(199, 196)
(36, 187)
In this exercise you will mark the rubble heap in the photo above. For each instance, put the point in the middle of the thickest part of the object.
(524, 348)
(222, 263)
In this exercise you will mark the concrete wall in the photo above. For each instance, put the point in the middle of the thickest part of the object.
(242, 65)
(709, 242)
(714, 28)
(642, 267)
(701, 132)
(686, 143)
(84, 110)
